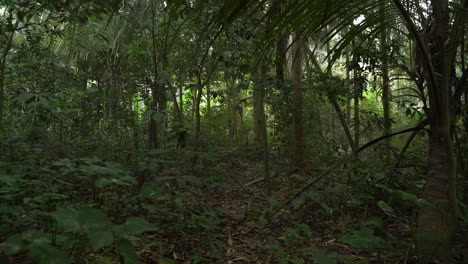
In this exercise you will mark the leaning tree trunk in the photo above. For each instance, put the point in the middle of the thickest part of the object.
(298, 126)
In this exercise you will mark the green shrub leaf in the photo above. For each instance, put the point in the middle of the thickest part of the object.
(99, 239)
(134, 225)
(127, 251)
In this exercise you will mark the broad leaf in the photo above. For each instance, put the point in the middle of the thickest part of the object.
(99, 239)
(46, 254)
(321, 257)
(385, 208)
(134, 225)
(67, 219)
(90, 217)
(127, 251)
(363, 238)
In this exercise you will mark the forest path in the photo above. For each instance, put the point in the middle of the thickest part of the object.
(244, 242)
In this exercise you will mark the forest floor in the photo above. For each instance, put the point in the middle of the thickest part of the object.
(244, 242)
(247, 234)
(245, 229)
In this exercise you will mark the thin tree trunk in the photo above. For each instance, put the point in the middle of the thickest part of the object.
(348, 95)
(296, 75)
(197, 111)
(153, 131)
(281, 46)
(385, 87)
(260, 128)
(259, 110)
(208, 107)
(344, 125)
(357, 97)
(231, 86)
(6, 50)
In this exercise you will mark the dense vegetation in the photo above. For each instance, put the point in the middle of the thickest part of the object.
(272, 131)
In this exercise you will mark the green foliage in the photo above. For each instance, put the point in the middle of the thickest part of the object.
(362, 238)
(77, 228)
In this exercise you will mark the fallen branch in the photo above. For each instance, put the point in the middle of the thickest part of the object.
(254, 182)
(420, 126)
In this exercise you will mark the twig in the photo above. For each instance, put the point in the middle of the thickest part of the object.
(254, 182)
(405, 148)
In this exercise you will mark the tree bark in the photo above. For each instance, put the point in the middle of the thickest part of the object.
(153, 129)
(6, 50)
(385, 86)
(342, 119)
(348, 95)
(260, 128)
(208, 107)
(259, 109)
(297, 125)
(281, 46)
(357, 97)
(437, 218)
(197, 111)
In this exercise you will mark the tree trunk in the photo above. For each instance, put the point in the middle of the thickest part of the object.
(342, 119)
(232, 104)
(2, 71)
(357, 120)
(281, 46)
(208, 107)
(437, 218)
(259, 110)
(348, 95)
(260, 128)
(197, 111)
(296, 75)
(385, 87)
(436, 222)
(153, 130)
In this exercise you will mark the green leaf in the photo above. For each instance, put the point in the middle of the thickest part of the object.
(298, 202)
(12, 245)
(321, 257)
(363, 238)
(127, 251)
(46, 254)
(134, 225)
(25, 97)
(405, 196)
(354, 203)
(171, 261)
(99, 239)
(104, 182)
(400, 195)
(385, 208)
(376, 222)
(67, 219)
(90, 217)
